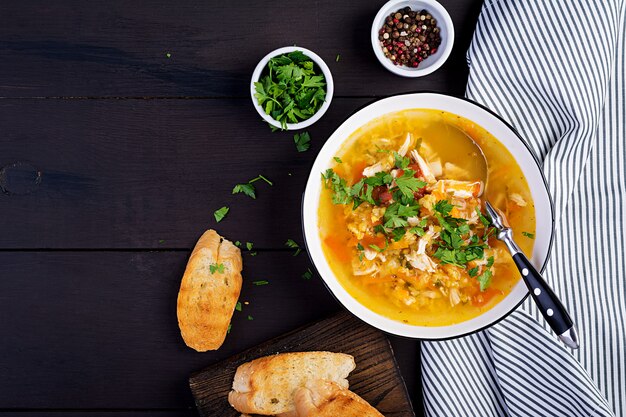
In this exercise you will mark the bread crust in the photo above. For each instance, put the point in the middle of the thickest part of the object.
(328, 399)
(206, 301)
(267, 385)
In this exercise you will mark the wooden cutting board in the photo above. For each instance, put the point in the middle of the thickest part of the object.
(376, 378)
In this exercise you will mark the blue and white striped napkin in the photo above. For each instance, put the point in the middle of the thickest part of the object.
(556, 70)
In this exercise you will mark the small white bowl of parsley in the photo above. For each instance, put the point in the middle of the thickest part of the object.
(291, 88)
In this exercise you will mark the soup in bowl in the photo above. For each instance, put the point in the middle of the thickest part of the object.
(395, 222)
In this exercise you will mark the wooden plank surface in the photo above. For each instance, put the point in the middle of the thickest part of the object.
(149, 173)
(118, 48)
(102, 198)
(98, 330)
(376, 378)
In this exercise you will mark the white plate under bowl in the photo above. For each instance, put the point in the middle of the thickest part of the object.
(500, 130)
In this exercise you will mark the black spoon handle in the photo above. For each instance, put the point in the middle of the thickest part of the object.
(549, 304)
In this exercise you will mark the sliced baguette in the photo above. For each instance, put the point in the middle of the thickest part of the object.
(267, 385)
(328, 399)
(206, 299)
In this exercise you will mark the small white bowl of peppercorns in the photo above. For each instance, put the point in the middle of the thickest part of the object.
(412, 38)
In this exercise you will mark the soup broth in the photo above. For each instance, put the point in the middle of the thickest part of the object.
(402, 226)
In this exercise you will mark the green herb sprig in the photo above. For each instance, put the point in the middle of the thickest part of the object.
(293, 90)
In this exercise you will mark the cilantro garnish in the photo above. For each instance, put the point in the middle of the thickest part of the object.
(402, 162)
(302, 141)
(247, 189)
(220, 213)
(443, 207)
(292, 90)
(308, 274)
(408, 184)
(250, 317)
(378, 248)
(484, 279)
(341, 190)
(262, 282)
(290, 243)
(238, 306)
(529, 235)
(484, 220)
(337, 159)
(216, 268)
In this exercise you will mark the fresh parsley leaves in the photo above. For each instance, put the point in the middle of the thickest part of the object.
(484, 279)
(302, 141)
(408, 184)
(216, 268)
(484, 220)
(443, 207)
(248, 188)
(292, 89)
(221, 213)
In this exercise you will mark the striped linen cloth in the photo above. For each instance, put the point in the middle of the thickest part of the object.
(555, 69)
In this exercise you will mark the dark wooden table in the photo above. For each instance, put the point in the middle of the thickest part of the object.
(114, 158)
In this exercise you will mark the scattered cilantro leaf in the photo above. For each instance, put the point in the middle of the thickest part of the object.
(230, 326)
(337, 159)
(250, 318)
(259, 283)
(238, 306)
(473, 272)
(220, 213)
(247, 189)
(261, 177)
(308, 274)
(302, 141)
(337, 58)
(529, 235)
(290, 243)
(216, 268)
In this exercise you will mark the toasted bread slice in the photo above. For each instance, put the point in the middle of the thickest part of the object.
(267, 385)
(209, 292)
(328, 399)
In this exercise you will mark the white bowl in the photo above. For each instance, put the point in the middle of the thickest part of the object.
(499, 129)
(256, 75)
(430, 64)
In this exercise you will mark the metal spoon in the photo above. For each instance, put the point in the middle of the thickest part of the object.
(549, 304)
